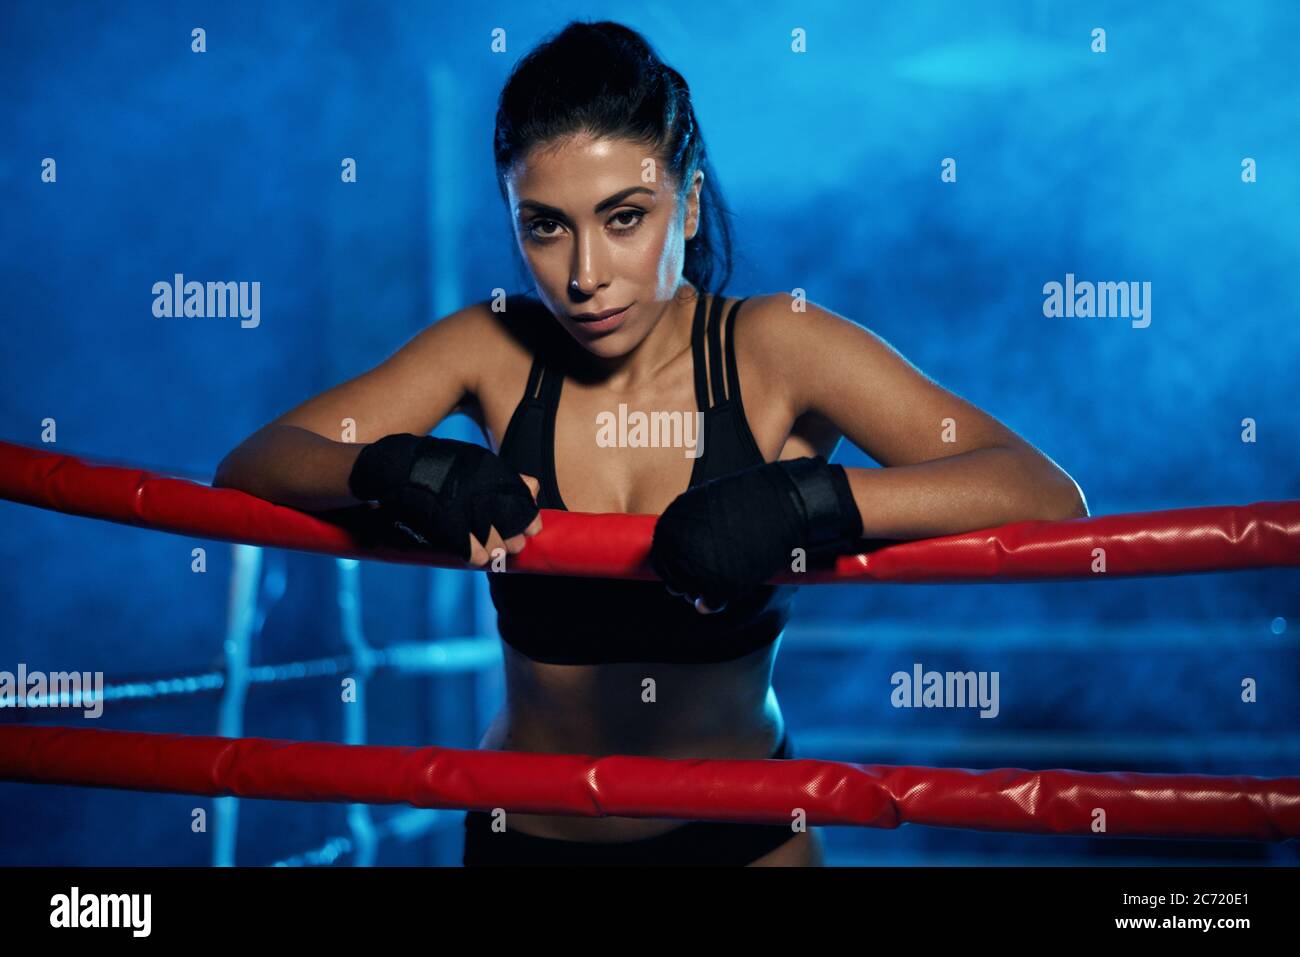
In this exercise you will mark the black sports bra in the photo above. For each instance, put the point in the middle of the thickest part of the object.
(589, 621)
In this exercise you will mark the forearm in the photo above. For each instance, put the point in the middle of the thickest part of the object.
(291, 466)
(982, 488)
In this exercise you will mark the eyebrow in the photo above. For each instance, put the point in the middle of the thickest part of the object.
(600, 207)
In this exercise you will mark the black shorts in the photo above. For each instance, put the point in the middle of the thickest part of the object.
(696, 843)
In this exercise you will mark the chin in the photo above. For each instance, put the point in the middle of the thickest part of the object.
(607, 347)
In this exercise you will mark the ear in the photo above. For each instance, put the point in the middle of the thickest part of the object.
(693, 205)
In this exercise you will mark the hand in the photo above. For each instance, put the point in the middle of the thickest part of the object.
(481, 553)
(722, 539)
(448, 494)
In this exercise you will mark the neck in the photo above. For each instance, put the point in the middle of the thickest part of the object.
(669, 338)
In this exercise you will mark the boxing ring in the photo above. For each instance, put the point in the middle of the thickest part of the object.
(1207, 539)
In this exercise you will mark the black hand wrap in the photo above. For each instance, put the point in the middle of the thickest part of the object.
(731, 534)
(440, 491)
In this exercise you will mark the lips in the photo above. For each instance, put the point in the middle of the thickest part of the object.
(597, 316)
(609, 320)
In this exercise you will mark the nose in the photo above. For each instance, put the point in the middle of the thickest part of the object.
(588, 272)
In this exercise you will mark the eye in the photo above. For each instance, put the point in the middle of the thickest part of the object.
(539, 230)
(628, 227)
(532, 227)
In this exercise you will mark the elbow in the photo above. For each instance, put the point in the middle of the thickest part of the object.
(1068, 502)
(227, 474)
(221, 477)
(1078, 508)
(1045, 492)
(242, 465)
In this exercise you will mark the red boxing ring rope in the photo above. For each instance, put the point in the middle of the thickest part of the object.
(1177, 541)
(1218, 538)
(768, 791)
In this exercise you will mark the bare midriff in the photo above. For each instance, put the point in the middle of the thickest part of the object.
(723, 710)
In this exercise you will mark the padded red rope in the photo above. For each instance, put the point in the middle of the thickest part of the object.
(1211, 538)
(1040, 802)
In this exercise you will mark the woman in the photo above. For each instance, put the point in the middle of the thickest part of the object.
(620, 224)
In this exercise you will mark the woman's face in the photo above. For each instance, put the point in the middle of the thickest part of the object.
(599, 224)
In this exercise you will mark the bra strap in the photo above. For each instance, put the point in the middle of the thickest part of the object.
(534, 378)
(733, 377)
(697, 354)
(550, 402)
(715, 350)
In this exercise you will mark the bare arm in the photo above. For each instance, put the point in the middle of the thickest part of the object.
(293, 466)
(303, 458)
(949, 467)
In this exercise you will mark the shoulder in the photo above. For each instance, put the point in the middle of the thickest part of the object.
(782, 315)
(778, 331)
(808, 348)
(493, 331)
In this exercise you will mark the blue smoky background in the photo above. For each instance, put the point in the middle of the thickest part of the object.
(1169, 159)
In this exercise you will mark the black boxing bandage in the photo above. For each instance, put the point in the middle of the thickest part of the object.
(731, 534)
(440, 491)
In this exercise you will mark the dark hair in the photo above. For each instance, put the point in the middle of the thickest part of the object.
(605, 79)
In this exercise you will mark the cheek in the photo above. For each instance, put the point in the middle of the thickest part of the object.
(548, 267)
(669, 256)
(652, 252)
(646, 256)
